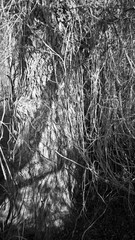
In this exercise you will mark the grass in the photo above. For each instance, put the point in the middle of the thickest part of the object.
(69, 68)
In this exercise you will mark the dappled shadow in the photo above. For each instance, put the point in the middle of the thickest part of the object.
(40, 193)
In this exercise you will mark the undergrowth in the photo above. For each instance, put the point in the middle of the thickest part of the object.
(86, 49)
